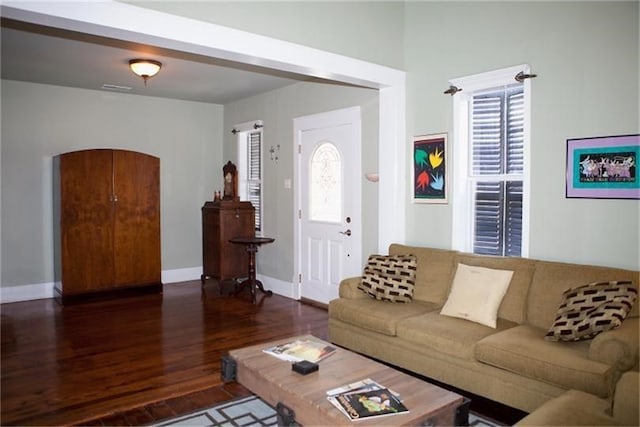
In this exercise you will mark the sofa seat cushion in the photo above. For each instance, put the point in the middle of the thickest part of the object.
(374, 315)
(448, 335)
(524, 351)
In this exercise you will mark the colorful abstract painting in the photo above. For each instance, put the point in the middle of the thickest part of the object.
(430, 168)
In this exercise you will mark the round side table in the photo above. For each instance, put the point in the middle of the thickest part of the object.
(252, 244)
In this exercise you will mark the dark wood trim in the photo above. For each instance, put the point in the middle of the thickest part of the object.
(70, 299)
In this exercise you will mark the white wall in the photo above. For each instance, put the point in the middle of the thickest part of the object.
(586, 55)
(41, 121)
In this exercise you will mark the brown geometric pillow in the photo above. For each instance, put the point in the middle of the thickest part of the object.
(587, 310)
(389, 277)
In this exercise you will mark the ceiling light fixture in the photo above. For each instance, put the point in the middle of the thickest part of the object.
(145, 68)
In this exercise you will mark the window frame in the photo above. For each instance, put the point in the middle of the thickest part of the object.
(463, 199)
(243, 132)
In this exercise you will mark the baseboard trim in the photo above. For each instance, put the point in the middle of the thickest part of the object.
(26, 292)
(37, 291)
(277, 286)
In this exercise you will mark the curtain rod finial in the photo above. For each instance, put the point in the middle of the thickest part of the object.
(452, 90)
(521, 76)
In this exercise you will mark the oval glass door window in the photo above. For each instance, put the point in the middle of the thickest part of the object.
(325, 184)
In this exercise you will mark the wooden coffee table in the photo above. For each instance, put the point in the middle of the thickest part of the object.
(304, 396)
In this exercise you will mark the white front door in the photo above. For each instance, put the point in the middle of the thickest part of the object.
(329, 232)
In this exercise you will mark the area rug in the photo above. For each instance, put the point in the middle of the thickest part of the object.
(247, 411)
(253, 411)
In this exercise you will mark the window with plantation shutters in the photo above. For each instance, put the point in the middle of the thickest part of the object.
(490, 181)
(250, 167)
(497, 152)
(254, 174)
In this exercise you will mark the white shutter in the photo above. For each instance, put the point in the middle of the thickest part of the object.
(497, 156)
(254, 174)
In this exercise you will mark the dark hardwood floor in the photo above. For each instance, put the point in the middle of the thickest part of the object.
(136, 360)
(130, 361)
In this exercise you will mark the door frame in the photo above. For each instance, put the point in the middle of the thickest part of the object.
(350, 115)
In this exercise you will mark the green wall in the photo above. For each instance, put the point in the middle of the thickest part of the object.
(41, 121)
(277, 109)
(369, 30)
(585, 53)
(586, 57)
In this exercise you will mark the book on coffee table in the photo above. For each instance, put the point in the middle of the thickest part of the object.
(365, 399)
(299, 350)
(368, 403)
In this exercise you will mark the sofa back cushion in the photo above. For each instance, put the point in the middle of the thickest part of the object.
(434, 271)
(551, 279)
(514, 302)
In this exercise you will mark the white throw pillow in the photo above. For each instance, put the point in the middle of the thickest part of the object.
(476, 294)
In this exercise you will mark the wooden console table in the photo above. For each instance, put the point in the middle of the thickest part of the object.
(251, 244)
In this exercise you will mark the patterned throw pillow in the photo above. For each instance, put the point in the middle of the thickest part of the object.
(587, 310)
(390, 277)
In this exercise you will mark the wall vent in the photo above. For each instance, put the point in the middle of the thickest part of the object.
(116, 88)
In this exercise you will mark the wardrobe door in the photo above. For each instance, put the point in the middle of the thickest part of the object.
(86, 218)
(136, 183)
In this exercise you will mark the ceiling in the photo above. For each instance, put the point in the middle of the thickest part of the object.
(54, 56)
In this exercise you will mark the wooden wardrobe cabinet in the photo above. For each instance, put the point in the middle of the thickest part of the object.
(107, 209)
(221, 221)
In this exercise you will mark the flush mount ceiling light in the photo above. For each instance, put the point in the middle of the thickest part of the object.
(145, 68)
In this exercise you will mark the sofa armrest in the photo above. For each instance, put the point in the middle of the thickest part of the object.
(349, 288)
(618, 347)
(571, 408)
(625, 399)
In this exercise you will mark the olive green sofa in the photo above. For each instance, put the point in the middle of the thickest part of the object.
(513, 363)
(577, 408)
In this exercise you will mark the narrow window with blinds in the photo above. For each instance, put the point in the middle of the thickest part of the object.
(254, 174)
(497, 150)
(250, 171)
(490, 174)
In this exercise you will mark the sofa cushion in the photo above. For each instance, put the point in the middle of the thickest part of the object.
(588, 310)
(625, 403)
(448, 335)
(523, 350)
(476, 294)
(551, 279)
(389, 277)
(374, 315)
(515, 300)
(434, 271)
(572, 408)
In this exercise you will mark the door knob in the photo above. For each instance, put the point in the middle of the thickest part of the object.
(348, 232)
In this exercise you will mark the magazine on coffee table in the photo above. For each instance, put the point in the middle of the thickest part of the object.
(299, 350)
(365, 404)
(365, 399)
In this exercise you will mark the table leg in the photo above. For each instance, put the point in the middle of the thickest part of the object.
(251, 281)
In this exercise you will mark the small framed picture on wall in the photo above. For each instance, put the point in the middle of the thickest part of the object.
(430, 168)
(603, 167)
